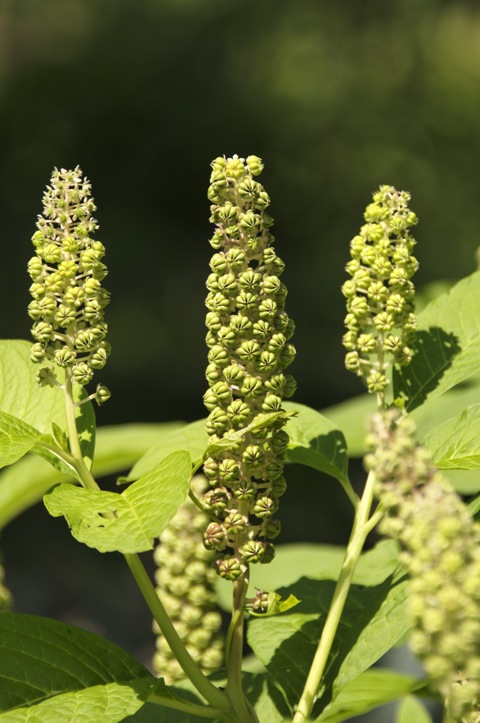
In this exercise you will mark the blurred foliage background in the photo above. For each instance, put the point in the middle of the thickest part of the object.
(336, 97)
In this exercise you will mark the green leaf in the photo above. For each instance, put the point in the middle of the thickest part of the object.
(447, 347)
(276, 605)
(316, 442)
(191, 437)
(20, 394)
(368, 691)
(41, 658)
(374, 619)
(118, 447)
(410, 710)
(16, 438)
(126, 522)
(267, 700)
(319, 562)
(108, 703)
(455, 444)
(351, 417)
(42, 408)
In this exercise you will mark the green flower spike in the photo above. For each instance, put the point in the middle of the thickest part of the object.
(441, 551)
(185, 583)
(380, 320)
(249, 349)
(68, 299)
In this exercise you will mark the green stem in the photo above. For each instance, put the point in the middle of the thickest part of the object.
(361, 528)
(234, 652)
(212, 695)
(186, 707)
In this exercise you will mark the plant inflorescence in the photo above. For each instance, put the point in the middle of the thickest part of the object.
(205, 497)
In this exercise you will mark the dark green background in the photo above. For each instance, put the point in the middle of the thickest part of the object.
(336, 97)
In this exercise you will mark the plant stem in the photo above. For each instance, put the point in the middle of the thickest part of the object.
(234, 652)
(361, 528)
(212, 695)
(187, 707)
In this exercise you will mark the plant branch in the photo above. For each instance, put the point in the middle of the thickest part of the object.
(186, 707)
(234, 651)
(361, 528)
(213, 695)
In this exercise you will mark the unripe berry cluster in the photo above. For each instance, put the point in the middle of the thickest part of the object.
(380, 320)
(441, 551)
(249, 350)
(67, 271)
(185, 583)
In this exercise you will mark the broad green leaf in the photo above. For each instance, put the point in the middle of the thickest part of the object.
(447, 347)
(20, 394)
(368, 691)
(455, 444)
(42, 408)
(108, 703)
(411, 710)
(316, 442)
(351, 416)
(16, 438)
(118, 447)
(319, 562)
(41, 658)
(374, 619)
(190, 437)
(126, 522)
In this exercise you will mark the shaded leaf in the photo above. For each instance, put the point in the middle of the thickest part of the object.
(351, 416)
(126, 522)
(41, 658)
(447, 347)
(374, 619)
(316, 442)
(319, 562)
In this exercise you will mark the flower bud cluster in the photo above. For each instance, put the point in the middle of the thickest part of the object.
(380, 320)
(68, 298)
(185, 583)
(248, 337)
(441, 551)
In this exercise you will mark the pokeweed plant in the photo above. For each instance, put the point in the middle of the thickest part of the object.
(205, 497)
